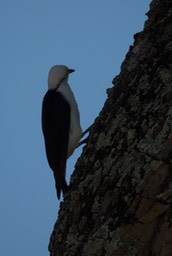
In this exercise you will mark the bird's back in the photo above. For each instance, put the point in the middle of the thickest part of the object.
(55, 126)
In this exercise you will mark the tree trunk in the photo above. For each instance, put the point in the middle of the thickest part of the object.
(120, 196)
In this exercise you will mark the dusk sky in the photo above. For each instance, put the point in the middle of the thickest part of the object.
(91, 37)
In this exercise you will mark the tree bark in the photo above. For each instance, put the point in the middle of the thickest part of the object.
(120, 197)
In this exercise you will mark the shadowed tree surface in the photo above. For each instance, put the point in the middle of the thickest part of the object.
(120, 196)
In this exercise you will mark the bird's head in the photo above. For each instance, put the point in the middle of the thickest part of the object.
(57, 74)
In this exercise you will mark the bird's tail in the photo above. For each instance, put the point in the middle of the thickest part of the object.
(64, 186)
(61, 185)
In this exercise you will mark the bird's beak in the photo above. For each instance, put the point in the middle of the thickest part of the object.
(71, 71)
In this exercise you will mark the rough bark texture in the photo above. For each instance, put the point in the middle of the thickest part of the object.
(120, 196)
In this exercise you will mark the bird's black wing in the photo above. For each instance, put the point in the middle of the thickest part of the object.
(55, 126)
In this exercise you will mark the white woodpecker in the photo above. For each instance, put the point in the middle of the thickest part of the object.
(60, 123)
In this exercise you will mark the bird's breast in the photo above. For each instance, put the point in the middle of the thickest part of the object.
(75, 131)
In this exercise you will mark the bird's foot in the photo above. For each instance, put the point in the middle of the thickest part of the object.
(86, 131)
(83, 134)
(83, 142)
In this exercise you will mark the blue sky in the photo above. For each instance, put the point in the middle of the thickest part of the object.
(92, 37)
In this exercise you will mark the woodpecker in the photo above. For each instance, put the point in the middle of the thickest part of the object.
(60, 124)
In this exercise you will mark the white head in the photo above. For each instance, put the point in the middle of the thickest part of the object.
(57, 74)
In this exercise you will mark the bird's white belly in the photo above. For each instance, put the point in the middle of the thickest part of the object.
(75, 134)
(75, 131)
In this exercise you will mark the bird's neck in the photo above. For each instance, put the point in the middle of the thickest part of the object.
(67, 93)
(64, 88)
